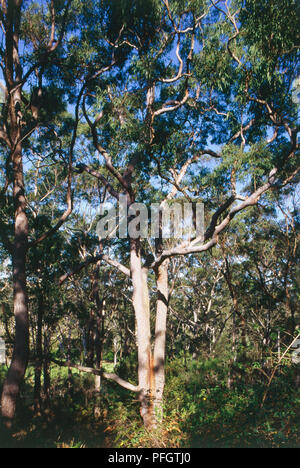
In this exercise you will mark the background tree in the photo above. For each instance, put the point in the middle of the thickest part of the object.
(156, 102)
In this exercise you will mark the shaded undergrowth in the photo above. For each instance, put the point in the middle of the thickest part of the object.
(200, 410)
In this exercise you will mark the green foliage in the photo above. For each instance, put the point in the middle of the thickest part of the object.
(227, 305)
(200, 411)
(271, 25)
(211, 415)
(138, 19)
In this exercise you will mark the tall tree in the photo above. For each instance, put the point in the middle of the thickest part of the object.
(159, 122)
(194, 97)
(21, 117)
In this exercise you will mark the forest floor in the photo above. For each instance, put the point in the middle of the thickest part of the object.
(197, 416)
(62, 430)
(70, 429)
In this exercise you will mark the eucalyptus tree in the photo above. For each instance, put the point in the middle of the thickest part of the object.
(266, 271)
(202, 105)
(196, 96)
(31, 50)
(41, 78)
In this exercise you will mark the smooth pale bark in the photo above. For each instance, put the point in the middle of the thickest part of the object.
(160, 337)
(99, 337)
(106, 375)
(143, 333)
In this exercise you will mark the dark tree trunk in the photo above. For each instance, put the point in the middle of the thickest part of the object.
(15, 375)
(90, 342)
(13, 74)
(46, 374)
(39, 357)
(19, 360)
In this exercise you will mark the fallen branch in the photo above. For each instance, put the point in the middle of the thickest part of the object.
(106, 375)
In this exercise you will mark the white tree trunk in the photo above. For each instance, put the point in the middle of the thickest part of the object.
(160, 337)
(143, 332)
